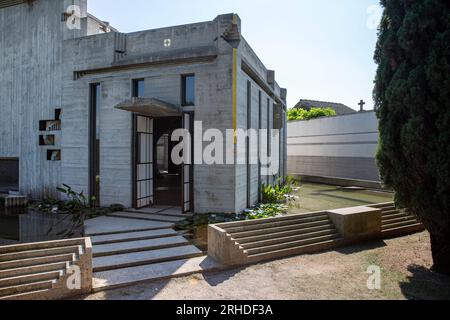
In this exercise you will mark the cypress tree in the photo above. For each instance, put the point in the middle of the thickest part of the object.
(412, 99)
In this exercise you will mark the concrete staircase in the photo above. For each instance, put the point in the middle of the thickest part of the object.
(397, 222)
(41, 270)
(268, 239)
(128, 256)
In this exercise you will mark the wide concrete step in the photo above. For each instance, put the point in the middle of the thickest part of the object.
(280, 228)
(290, 239)
(137, 246)
(40, 253)
(301, 222)
(26, 295)
(268, 236)
(394, 216)
(403, 230)
(33, 269)
(133, 236)
(39, 245)
(37, 261)
(405, 218)
(112, 225)
(294, 217)
(145, 216)
(291, 244)
(29, 287)
(391, 212)
(297, 250)
(144, 257)
(383, 205)
(31, 278)
(399, 224)
(157, 271)
(163, 212)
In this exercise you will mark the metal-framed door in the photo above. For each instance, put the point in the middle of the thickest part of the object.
(188, 168)
(143, 159)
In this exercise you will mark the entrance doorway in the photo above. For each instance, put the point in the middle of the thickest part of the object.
(157, 180)
(168, 176)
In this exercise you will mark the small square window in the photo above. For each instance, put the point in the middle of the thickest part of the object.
(188, 90)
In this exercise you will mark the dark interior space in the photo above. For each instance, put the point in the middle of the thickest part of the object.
(9, 175)
(167, 183)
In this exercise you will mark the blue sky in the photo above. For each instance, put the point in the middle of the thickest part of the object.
(320, 49)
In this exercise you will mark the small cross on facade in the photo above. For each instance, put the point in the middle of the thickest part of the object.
(361, 105)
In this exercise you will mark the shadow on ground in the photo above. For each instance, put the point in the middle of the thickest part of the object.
(424, 284)
(361, 247)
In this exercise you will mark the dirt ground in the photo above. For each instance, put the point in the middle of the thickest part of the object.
(405, 274)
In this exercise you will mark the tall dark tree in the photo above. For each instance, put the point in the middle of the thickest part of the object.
(412, 97)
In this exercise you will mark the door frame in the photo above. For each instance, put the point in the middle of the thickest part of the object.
(187, 205)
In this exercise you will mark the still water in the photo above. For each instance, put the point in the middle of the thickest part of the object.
(26, 225)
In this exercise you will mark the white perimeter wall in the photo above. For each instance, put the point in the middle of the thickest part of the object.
(340, 147)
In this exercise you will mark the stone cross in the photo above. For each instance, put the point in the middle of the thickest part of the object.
(361, 105)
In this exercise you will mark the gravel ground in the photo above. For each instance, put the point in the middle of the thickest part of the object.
(340, 274)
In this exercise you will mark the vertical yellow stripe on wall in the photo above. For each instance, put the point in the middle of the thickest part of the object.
(235, 94)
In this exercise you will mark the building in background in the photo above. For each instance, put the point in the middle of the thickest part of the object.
(88, 106)
(339, 108)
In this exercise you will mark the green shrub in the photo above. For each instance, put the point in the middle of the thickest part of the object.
(314, 113)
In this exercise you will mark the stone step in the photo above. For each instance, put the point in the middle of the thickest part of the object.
(144, 258)
(282, 223)
(137, 246)
(26, 295)
(30, 278)
(298, 250)
(40, 253)
(71, 257)
(145, 216)
(33, 269)
(29, 287)
(163, 212)
(394, 216)
(292, 244)
(383, 205)
(284, 240)
(400, 219)
(111, 225)
(134, 275)
(268, 236)
(399, 224)
(276, 229)
(40, 245)
(133, 236)
(404, 230)
(294, 217)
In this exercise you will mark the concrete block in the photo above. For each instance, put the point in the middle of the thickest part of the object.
(357, 222)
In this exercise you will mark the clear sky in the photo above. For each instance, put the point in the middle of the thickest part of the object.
(320, 49)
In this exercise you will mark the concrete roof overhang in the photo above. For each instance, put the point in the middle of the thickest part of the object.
(151, 107)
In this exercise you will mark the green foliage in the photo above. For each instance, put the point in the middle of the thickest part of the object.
(412, 98)
(263, 211)
(314, 113)
(77, 207)
(278, 193)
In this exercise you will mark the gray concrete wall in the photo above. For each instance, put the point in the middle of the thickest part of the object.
(30, 91)
(339, 147)
(52, 67)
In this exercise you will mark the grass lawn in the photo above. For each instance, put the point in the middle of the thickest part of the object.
(319, 197)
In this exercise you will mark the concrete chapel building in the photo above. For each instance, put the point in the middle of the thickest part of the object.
(85, 105)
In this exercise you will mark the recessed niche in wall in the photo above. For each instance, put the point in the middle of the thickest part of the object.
(58, 114)
(47, 140)
(54, 155)
(50, 125)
